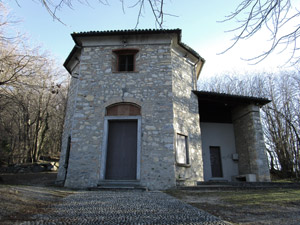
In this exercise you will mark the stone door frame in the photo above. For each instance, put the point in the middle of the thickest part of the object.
(105, 142)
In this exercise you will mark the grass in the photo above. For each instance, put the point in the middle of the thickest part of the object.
(246, 197)
(265, 206)
(21, 202)
(259, 197)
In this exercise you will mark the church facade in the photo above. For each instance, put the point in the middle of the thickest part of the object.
(134, 116)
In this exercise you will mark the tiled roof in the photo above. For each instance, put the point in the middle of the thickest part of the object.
(76, 35)
(135, 32)
(229, 98)
(122, 32)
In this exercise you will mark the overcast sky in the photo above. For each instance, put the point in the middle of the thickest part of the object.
(197, 19)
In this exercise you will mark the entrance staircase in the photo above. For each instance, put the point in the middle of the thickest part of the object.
(119, 185)
(226, 185)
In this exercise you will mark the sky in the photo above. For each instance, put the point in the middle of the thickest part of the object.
(198, 20)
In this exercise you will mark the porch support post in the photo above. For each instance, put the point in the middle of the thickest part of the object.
(249, 142)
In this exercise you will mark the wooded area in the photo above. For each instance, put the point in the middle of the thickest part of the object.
(32, 98)
(280, 118)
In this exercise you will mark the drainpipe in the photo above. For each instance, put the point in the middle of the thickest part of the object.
(195, 75)
(203, 61)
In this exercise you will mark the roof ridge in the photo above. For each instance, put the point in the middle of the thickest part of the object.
(127, 31)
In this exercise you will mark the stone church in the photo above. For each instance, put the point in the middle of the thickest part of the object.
(135, 117)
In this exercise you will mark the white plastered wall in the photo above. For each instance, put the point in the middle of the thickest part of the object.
(222, 135)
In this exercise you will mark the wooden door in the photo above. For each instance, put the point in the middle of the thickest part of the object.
(121, 161)
(215, 161)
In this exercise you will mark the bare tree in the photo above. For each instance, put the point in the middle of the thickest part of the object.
(32, 114)
(156, 6)
(279, 17)
(32, 100)
(15, 56)
(15, 65)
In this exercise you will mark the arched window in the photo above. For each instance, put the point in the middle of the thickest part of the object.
(123, 109)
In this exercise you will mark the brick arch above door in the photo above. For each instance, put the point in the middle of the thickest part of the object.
(123, 109)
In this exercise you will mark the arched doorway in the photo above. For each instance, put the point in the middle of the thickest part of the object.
(121, 142)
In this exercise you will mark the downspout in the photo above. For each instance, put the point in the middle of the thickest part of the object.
(196, 87)
(195, 75)
(195, 69)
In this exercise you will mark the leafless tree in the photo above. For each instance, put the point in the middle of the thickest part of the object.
(32, 100)
(279, 17)
(32, 114)
(156, 6)
(15, 56)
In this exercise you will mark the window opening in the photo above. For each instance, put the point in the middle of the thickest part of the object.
(126, 63)
(125, 59)
(182, 156)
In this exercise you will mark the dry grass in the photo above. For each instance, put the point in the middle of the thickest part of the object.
(271, 206)
(24, 195)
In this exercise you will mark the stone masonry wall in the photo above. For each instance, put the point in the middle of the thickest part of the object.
(67, 125)
(99, 86)
(186, 119)
(250, 142)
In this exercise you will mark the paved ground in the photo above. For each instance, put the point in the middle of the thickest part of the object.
(124, 207)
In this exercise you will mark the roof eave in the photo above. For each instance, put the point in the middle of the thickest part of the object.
(71, 57)
(228, 98)
(200, 60)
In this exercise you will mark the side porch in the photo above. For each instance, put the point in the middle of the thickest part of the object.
(232, 138)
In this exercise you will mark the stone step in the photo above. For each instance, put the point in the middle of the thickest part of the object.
(249, 184)
(120, 185)
(225, 188)
(218, 182)
(118, 188)
(207, 186)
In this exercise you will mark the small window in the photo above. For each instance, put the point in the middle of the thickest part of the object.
(125, 60)
(182, 156)
(126, 63)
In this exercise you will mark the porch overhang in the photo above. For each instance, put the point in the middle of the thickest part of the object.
(228, 99)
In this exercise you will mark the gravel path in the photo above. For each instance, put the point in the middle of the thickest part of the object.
(124, 207)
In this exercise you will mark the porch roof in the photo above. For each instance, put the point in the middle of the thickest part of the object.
(229, 99)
